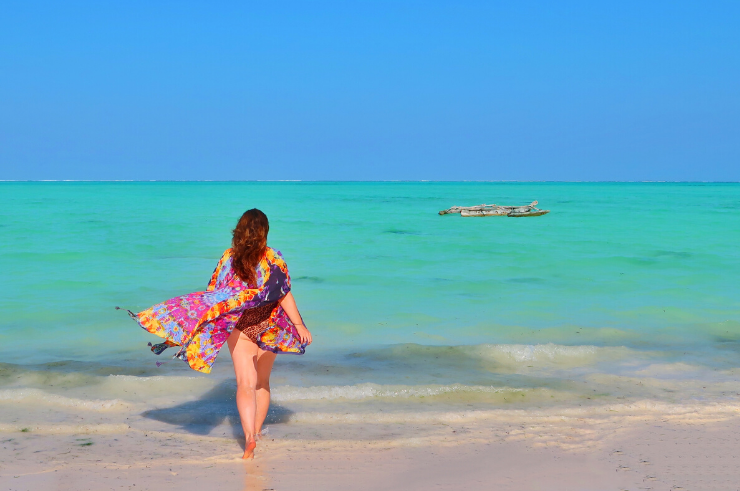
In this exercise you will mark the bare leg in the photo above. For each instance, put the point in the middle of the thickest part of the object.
(265, 359)
(244, 355)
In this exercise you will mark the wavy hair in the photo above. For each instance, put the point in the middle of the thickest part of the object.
(249, 244)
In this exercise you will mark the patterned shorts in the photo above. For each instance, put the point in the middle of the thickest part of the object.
(254, 322)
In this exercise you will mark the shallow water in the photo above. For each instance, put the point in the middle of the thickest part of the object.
(624, 292)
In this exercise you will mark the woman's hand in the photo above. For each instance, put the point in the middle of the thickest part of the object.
(303, 333)
(288, 304)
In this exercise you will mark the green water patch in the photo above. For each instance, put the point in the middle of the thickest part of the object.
(673, 254)
(309, 279)
(530, 280)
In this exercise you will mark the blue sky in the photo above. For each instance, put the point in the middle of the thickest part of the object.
(359, 90)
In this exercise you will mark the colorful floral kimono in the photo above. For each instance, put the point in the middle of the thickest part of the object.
(201, 322)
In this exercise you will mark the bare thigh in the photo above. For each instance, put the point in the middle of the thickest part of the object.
(252, 365)
(244, 354)
(265, 359)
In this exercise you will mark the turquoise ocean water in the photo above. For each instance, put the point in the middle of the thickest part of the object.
(620, 282)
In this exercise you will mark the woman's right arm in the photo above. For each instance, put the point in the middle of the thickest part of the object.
(290, 308)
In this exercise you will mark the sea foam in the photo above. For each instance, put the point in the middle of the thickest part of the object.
(43, 398)
(369, 391)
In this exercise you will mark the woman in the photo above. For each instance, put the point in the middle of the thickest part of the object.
(248, 305)
(252, 362)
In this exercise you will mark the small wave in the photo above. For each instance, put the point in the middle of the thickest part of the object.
(513, 356)
(21, 376)
(105, 386)
(168, 381)
(639, 408)
(48, 399)
(549, 353)
(368, 391)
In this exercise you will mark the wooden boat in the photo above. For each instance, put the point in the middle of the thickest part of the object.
(484, 210)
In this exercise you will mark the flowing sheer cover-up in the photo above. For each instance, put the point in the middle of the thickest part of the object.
(199, 323)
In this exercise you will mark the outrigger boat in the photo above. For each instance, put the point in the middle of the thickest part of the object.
(529, 210)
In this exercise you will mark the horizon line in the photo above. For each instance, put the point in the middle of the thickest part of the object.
(647, 181)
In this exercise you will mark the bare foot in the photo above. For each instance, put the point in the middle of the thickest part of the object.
(249, 451)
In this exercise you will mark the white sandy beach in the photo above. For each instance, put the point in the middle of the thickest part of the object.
(640, 446)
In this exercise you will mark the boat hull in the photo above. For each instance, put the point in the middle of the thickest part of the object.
(483, 213)
(529, 214)
(497, 211)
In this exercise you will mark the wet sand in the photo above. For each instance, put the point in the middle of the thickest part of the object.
(692, 449)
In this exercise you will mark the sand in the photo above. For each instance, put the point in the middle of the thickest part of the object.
(687, 448)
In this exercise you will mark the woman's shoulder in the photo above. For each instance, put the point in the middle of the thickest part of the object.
(273, 255)
(228, 253)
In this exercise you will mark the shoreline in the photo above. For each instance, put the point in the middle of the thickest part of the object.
(690, 448)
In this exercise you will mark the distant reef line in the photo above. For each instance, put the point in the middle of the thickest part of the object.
(364, 181)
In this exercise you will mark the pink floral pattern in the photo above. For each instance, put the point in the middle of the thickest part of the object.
(199, 323)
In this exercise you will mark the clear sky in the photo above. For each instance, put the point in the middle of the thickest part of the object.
(370, 90)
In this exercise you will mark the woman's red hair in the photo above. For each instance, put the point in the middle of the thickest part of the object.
(249, 244)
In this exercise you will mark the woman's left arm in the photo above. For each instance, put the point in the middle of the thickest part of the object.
(290, 308)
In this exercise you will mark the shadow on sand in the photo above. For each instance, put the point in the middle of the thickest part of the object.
(214, 408)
